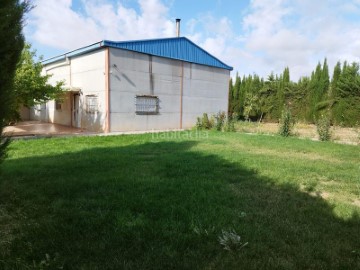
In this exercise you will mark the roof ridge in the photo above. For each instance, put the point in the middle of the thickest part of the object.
(178, 48)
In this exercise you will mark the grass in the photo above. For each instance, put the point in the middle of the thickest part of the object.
(302, 130)
(162, 202)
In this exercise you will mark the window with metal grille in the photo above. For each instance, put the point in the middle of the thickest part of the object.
(58, 105)
(91, 103)
(146, 104)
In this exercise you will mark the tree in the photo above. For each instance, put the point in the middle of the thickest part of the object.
(346, 110)
(12, 42)
(286, 75)
(335, 79)
(30, 86)
(237, 101)
(251, 105)
(231, 98)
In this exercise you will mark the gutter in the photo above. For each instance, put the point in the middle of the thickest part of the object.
(73, 53)
(67, 63)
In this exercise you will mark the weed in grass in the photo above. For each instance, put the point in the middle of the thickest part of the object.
(202, 231)
(48, 263)
(231, 241)
(310, 186)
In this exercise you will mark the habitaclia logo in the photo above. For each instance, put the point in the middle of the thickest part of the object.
(180, 135)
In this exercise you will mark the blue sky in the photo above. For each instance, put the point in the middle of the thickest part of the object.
(253, 36)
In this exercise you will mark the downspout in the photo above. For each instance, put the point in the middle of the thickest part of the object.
(151, 76)
(181, 94)
(70, 77)
(71, 95)
(107, 90)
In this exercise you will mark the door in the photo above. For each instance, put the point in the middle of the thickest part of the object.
(76, 111)
(43, 113)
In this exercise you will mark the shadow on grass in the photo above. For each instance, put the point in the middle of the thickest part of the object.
(162, 206)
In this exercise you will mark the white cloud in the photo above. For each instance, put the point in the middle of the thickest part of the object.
(273, 34)
(300, 33)
(56, 24)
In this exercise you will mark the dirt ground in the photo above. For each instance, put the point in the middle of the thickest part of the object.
(338, 134)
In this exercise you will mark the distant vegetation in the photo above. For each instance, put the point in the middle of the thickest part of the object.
(255, 98)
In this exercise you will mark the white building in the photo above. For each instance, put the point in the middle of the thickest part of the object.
(136, 85)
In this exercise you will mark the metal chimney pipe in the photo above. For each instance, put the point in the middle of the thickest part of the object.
(178, 27)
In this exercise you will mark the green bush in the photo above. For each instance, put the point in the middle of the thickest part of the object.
(323, 128)
(198, 123)
(206, 123)
(286, 123)
(220, 119)
(219, 122)
(229, 125)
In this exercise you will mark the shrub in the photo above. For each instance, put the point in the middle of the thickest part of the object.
(220, 119)
(219, 122)
(229, 125)
(323, 128)
(205, 122)
(198, 123)
(286, 123)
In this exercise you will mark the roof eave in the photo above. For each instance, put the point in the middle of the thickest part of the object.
(80, 51)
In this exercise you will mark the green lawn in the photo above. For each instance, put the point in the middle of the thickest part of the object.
(162, 201)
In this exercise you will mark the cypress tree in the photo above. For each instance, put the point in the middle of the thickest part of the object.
(236, 94)
(231, 98)
(12, 42)
(325, 79)
(335, 79)
(346, 111)
(286, 75)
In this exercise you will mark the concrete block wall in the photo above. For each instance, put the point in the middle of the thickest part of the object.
(134, 74)
(205, 89)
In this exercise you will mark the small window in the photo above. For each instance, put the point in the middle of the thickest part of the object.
(91, 103)
(58, 105)
(146, 104)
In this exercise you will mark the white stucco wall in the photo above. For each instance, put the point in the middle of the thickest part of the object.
(205, 89)
(88, 74)
(85, 73)
(130, 76)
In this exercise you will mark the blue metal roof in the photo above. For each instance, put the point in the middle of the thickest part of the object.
(179, 48)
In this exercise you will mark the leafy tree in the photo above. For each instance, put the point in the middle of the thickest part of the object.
(252, 105)
(30, 86)
(12, 42)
